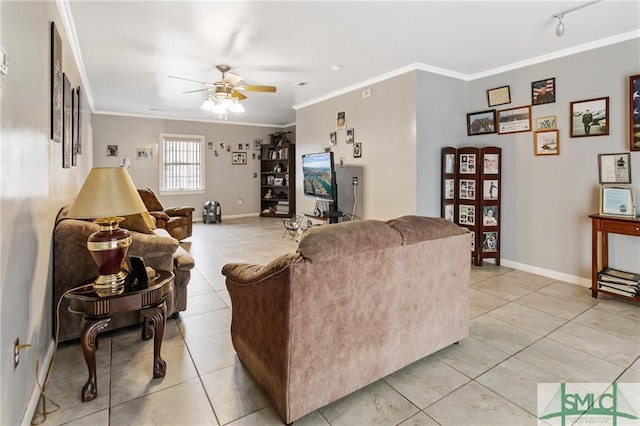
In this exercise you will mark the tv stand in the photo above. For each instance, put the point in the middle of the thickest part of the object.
(327, 215)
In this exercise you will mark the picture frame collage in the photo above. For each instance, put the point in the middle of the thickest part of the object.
(349, 136)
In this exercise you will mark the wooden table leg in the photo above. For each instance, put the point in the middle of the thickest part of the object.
(91, 327)
(156, 316)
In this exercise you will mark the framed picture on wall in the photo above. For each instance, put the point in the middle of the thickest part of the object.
(67, 121)
(499, 96)
(514, 120)
(239, 158)
(545, 142)
(481, 122)
(614, 168)
(543, 91)
(546, 123)
(634, 112)
(589, 118)
(56, 85)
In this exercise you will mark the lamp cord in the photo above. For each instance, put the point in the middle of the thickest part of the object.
(41, 417)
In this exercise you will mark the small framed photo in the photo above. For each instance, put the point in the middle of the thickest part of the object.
(545, 142)
(239, 158)
(490, 190)
(543, 91)
(489, 241)
(256, 144)
(246, 147)
(499, 96)
(467, 164)
(634, 113)
(449, 212)
(614, 168)
(490, 215)
(333, 138)
(144, 153)
(481, 123)
(221, 146)
(278, 181)
(589, 118)
(210, 145)
(239, 147)
(357, 150)
(467, 214)
(467, 189)
(341, 120)
(514, 120)
(112, 150)
(449, 163)
(350, 135)
(449, 189)
(490, 164)
(617, 201)
(270, 179)
(546, 123)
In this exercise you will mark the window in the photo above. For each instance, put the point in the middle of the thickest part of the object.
(181, 163)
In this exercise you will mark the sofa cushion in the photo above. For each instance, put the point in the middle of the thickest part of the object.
(328, 242)
(140, 222)
(415, 229)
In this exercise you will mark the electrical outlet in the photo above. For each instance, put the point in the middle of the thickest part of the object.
(240, 202)
(354, 180)
(16, 353)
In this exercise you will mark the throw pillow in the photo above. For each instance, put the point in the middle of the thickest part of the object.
(141, 222)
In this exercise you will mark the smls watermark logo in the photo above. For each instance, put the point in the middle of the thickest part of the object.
(564, 404)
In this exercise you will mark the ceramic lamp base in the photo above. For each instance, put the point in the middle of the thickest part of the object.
(108, 248)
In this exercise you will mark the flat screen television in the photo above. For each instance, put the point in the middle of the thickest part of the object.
(319, 177)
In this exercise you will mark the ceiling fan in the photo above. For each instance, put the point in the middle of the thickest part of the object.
(227, 86)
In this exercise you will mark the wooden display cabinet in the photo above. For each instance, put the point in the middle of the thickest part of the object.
(277, 180)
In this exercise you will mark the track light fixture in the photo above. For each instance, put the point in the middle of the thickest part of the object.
(560, 27)
(560, 15)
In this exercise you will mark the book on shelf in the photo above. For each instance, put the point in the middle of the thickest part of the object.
(625, 290)
(618, 276)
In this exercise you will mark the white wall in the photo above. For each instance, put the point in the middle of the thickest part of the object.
(385, 124)
(546, 200)
(34, 186)
(225, 183)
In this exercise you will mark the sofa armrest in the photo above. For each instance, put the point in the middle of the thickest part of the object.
(179, 211)
(182, 260)
(247, 274)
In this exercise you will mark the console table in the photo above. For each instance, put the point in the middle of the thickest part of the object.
(97, 312)
(606, 225)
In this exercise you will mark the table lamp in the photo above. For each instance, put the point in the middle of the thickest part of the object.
(107, 194)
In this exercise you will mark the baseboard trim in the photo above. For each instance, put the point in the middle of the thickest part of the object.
(35, 394)
(571, 279)
(231, 216)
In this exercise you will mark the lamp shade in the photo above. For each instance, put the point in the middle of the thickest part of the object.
(107, 191)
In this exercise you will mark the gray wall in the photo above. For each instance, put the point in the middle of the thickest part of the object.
(546, 200)
(225, 183)
(385, 124)
(34, 186)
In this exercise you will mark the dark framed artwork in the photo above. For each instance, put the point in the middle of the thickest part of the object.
(79, 119)
(56, 85)
(589, 117)
(514, 120)
(357, 150)
(239, 158)
(481, 123)
(74, 127)
(67, 121)
(634, 112)
(499, 96)
(614, 168)
(543, 91)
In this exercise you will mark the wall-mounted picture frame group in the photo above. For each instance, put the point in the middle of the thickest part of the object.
(543, 91)
(238, 158)
(634, 112)
(589, 117)
(546, 142)
(617, 201)
(499, 96)
(614, 168)
(514, 120)
(481, 122)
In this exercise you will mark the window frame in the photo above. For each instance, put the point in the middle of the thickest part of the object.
(161, 157)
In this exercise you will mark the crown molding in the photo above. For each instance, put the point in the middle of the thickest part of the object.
(199, 120)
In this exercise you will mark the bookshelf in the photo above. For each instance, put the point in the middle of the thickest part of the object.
(277, 180)
(471, 192)
(603, 226)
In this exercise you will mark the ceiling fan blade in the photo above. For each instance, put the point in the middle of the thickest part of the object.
(270, 89)
(238, 95)
(232, 78)
(195, 91)
(188, 79)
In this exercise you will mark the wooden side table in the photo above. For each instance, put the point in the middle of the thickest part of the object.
(606, 225)
(97, 312)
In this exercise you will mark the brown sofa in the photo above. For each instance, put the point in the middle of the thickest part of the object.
(178, 221)
(73, 265)
(356, 302)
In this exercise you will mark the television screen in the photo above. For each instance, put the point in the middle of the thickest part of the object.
(318, 176)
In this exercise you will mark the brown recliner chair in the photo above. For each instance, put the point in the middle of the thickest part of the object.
(178, 221)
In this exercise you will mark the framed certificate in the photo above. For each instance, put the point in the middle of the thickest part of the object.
(617, 201)
(614, 168)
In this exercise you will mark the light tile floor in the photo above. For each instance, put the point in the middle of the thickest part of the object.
(525, 329)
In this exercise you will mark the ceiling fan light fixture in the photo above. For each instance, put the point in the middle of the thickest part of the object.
(236, 107)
